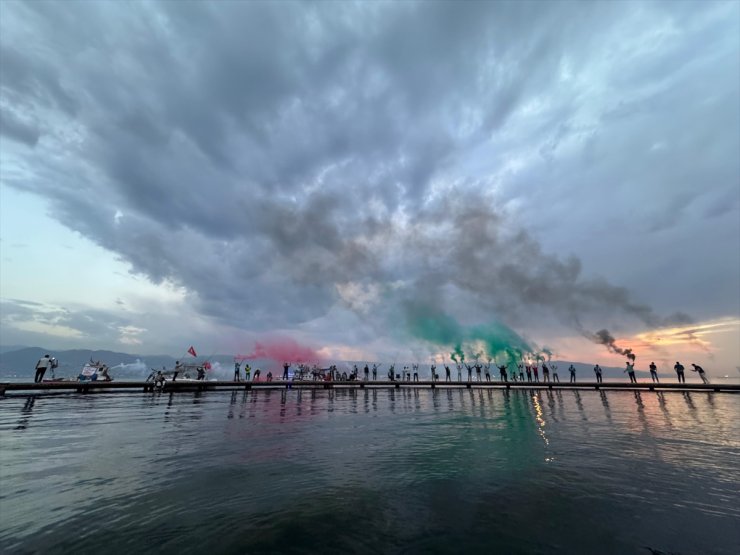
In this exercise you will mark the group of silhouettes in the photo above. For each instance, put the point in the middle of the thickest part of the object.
(529, 372)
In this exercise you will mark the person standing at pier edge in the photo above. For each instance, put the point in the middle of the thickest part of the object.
(366, 370)
(521, 371)
(487, 368)
(700, 370)
(572, 371)
(416, 372)
(545, 373)
(286, 366)
(631, 372)
(536, 371)
(459, 371)
(529, 373)
(447, 373)
(555, 373)
(178, 369)
(41, 367)
(392, 373)
(478, 368)
(679, 372)
(237, 377)
(434, 372)
(654, 372)
(502, 372)
(597, 371)
(247, 371)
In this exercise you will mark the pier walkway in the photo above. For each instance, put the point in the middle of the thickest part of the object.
(183, 386)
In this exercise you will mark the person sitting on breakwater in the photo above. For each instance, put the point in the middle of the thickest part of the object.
(529, 373)
(536, 372)
(597, 371)
(447, 373)
(554, 368)
(502, 372)
(247, 371)
(237, 365)
(256, 375)
(572, 371)
(545, 373)
(700, 370)
(631, 371)
(654, 372)
(42, 366)
(679, 372)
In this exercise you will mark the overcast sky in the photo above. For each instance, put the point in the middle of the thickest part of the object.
(214, 174)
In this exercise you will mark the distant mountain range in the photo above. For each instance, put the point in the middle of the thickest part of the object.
(20, 362)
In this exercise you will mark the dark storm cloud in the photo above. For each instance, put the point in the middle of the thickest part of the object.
(261, 154)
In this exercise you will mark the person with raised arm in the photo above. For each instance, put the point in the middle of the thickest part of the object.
(654, 373)
(554, 368)
(545, 373)
(631, 371)
(572, 370)
(700, 370)
(597, 371)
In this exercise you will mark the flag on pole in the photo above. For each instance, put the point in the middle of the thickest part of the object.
(192, 351)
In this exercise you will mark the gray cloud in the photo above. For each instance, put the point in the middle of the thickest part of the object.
(264, 153)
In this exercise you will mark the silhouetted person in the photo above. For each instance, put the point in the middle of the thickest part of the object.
(545, 373)
(572, 371)
(375, 371)
(269, 376)
(42, 366)
(392, 373)
(478, 368)
(631, 371)
(597, 371)
(202, 373)
(487, 368)
(470, 372)
(654, 372)
(521, 372)
(502, 372)
(256, 375)
(447, 373)
(700, 370)
(536, 372)
(237, 377)
(529, 373)
(679, 372)
(366, 370)
(416, 372)
(286, 367)
(459, 371)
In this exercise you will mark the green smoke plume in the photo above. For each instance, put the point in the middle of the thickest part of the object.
(434, 326)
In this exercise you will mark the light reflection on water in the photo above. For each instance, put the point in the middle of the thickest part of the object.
(378, 471)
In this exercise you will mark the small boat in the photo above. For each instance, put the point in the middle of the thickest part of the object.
(94, 371)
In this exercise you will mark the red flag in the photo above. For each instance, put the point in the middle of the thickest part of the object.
(192, 351)
(207, 365)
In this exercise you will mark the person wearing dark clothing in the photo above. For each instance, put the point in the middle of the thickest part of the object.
(42, 366)
(487, 369)
(521, 372)
(256, 375)
(536, 371)
(237, 378)
(392, 373)
(470, 372)
(202, 373)
(447, 373)
(459, 371)
(597, 371)
(375, 372)
(366, 370)
(269, 376)
(286, 366)
(529, 373)
(545, 373)
(572, 371)
(478, 368)
(416, 372)
(502, 371)
(700, 370)
(654, 372)
(631, 371)
(434, 372)
(679, 368)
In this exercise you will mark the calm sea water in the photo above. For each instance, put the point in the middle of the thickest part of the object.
(363, 471)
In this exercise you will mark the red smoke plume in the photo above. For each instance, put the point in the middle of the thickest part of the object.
(282, 350)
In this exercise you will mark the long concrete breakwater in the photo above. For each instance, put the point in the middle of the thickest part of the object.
(184, 386)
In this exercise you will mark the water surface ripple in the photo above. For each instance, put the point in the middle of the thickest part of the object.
(371, 471)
